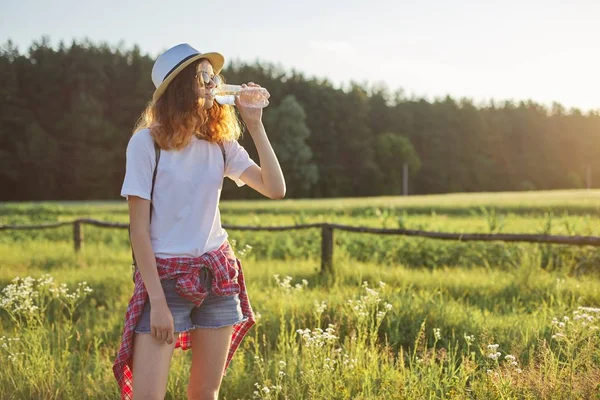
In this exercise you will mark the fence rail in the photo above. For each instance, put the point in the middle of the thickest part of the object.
(327, 235)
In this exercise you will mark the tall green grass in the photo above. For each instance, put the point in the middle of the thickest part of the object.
(403, 318)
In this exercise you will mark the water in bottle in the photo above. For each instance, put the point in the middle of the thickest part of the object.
(253, 97)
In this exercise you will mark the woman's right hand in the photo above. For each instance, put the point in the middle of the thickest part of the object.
(161, 322)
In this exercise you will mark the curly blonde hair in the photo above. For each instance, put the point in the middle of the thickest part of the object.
(178, 114)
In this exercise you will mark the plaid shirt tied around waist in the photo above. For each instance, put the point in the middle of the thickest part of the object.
(228, 279)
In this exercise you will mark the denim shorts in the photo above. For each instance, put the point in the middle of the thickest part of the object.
(214, 312)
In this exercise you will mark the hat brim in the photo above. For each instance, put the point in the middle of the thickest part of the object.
(216, 60)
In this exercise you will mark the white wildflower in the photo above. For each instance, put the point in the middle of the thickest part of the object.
(469, 338)
(589, 309)
(320, 306)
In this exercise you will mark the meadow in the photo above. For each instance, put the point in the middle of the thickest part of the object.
(401, 318)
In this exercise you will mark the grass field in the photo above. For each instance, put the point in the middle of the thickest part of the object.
(403, 318)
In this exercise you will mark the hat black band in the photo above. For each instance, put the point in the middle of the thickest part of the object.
(178, 64)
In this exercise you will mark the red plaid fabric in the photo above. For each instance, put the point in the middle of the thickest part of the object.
(228, 279)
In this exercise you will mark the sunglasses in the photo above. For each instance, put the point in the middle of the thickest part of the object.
(206, 78)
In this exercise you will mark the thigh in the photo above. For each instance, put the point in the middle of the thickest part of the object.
(151, 361)
(209, 354)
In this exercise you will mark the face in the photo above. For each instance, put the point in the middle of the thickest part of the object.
(204, 88)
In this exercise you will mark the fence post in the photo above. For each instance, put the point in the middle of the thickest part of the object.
(326, 249)
(78, 235)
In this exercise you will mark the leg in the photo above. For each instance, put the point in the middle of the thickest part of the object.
(209, 354)
(151, 361)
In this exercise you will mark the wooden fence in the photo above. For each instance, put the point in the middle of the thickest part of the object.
(327, 235)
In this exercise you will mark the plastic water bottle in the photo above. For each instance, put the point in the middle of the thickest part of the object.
(253, 97)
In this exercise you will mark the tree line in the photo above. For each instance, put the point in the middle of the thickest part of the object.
(66, 115)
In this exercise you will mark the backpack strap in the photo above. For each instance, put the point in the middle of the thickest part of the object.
(223, 151)
(157, 159)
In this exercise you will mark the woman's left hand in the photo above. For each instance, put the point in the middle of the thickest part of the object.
(251, 116)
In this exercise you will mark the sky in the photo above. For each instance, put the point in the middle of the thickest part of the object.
(540, 50)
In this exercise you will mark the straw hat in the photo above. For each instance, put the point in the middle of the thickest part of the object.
(174, 60)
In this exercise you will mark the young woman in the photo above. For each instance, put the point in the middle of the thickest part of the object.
(189, 287)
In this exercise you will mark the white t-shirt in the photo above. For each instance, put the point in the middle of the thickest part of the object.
(186, 221)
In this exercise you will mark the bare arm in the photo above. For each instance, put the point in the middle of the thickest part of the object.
(139, 217)
(268, 178)
(161, 319)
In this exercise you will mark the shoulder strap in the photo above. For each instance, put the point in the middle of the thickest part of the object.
(157, 155)
(223, 151)
(157, 159)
